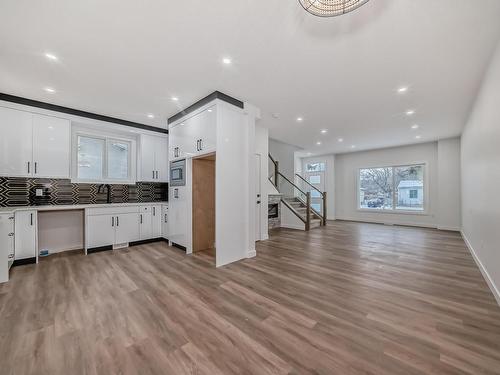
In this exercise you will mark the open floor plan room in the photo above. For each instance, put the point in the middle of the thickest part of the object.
(239, 187)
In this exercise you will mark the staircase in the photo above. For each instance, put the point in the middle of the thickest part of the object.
(299, 203)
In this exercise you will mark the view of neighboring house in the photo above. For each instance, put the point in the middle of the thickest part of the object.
(410, 194)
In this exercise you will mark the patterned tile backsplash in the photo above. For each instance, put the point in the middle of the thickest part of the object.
(22, 192)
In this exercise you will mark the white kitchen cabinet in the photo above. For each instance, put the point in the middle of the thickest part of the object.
(127, 228)
(146, 221)
(154, 158)
(100, 230)
(164, 221)
(156, 221)
(51, 147)
(6, 245)
(25, 240)
(194, 136)
(33, 145)
(178, 215)
(16, 143)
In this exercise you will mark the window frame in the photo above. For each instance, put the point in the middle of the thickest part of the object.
(107, 138)
(394, 210)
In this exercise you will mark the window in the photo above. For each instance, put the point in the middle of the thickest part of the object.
(314, 180)
(392, 188)
(103, 159)
(315, 167)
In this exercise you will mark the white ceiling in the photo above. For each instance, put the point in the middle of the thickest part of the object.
(127, 58)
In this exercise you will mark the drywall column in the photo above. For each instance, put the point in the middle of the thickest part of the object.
(262, 149)
(448, 212)
(480, 158)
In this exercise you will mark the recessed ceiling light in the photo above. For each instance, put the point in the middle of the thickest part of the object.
(51, 56)
(175, 98)
(318, 143)
(353, 146)
(414, 127)
(418, 136)
(300, 119)
(151, 115)
(209, 110)
(50, 90)
(403, 89)
(227, 60)
(324, 131)
(410, 112)
(340, 139)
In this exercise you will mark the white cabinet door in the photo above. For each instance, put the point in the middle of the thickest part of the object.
(161, 159)
(146, 229)
(178, 215)
(51, 147)
(206, 125)
(156, 221)
(164, 222)
(148, 147)
(16, 143)
(6, 245)
(127, 228)
(184, 140)
(101, 230)
(25, 234)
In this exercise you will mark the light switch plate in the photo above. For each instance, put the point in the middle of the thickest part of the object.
(39, 192)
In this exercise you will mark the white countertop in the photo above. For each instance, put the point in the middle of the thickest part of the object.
(75, 206)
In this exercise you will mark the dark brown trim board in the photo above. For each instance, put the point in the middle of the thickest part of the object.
(77, 112)
(207, 99)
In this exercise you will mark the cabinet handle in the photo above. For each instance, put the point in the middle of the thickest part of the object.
(141, 218)
(166, 221)
(117, 222)
(157, 175)
(31, 219)
(36, 166)
(11, 234)
(197, 145)
(112, 221)
(11, 218)
(154, 211)
(201, 144)
(28, 167)
(176, 193)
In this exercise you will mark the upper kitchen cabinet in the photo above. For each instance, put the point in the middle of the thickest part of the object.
(153, 158)
(194, 136)
(51, 147)
(16, 143)
(33, 145)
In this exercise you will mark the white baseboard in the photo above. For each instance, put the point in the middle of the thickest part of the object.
(291, 226)
(484, 272)
(453, 229)
(408, 224)
(251, 254)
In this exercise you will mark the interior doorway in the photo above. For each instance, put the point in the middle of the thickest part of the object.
(315, 173)
(258, 198)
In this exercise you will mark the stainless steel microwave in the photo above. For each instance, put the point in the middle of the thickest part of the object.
(178, 173)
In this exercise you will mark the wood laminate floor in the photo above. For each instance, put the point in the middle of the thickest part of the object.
(350, 298)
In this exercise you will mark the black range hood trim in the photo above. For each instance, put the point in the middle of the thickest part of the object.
(207, 99)
(77, 112)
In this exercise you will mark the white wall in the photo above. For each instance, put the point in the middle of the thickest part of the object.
(284, 153)
(449, 213)
(480, 161)
(346, 180)
(60, 230)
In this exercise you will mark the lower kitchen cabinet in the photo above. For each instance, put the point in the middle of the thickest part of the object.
(6, 245)
(164, 221)
(25, 234)
(156, 222)
(127, 228)
(100, 230)
(145, 220)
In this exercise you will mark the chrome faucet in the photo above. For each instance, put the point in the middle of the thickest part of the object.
(108, 191)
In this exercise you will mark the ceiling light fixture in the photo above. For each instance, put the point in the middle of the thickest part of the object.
(415, 127)
(227, 60)
(51, 56)
(318, 143)
(353, 146)
(340, 140)
(151, 115)
(418, 136)
(175, 98)
(403, 89)
(410, 112)
(331, 8)
(300, 119)
(50, 90)
(324, 131)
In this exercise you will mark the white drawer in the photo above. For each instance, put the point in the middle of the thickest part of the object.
(112, 210)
